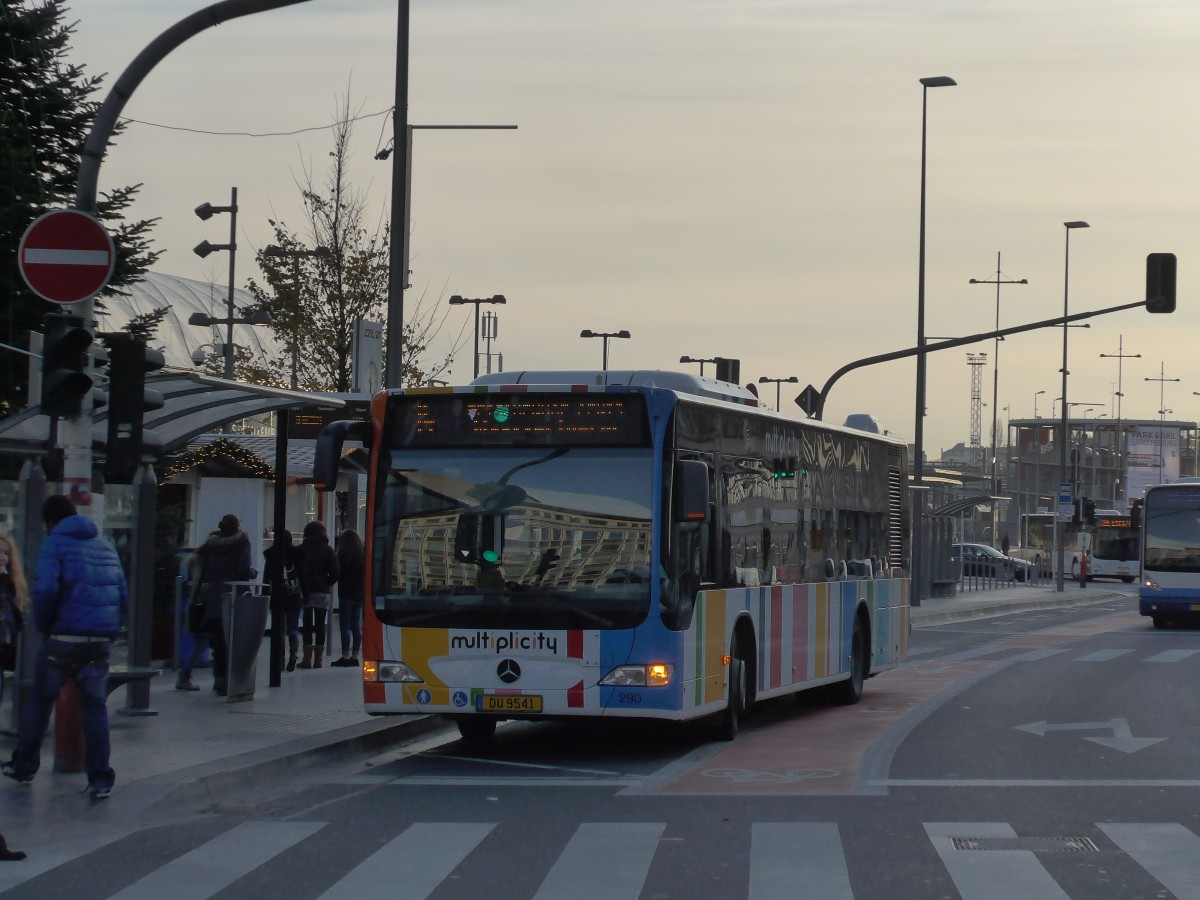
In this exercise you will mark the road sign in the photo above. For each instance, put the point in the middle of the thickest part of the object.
(809, 399)
(66, 256)
(1066, 499)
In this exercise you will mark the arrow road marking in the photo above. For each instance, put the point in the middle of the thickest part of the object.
(1122, 738)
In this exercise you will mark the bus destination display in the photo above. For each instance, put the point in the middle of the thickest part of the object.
(582, 419)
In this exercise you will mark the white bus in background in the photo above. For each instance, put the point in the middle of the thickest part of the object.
(1114, 545)
(1112, 542)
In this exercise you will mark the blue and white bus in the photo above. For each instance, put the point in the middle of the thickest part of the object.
(1170, 586)
(620, 544)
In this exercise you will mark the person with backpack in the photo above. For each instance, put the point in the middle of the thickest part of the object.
(318, 574)
(293, 593)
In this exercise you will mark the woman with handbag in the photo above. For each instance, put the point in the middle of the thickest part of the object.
(222, 558)
(318, 574)
(14, 597)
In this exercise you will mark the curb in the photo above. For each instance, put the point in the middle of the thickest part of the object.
(219, 780)
(1054, 601)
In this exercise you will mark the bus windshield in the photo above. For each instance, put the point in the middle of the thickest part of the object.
(514, 537)
(1171, 530)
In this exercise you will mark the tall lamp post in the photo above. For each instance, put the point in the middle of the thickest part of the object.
(1120, 356)
(277, 252)
(919, 428)
(998, 280)
(605, 335)
(457, 300)
(691, 359)
(1162, 379)
(1064, 425)
(206, 211)
(778, 382)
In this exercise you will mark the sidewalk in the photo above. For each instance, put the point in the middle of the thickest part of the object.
(200, 748)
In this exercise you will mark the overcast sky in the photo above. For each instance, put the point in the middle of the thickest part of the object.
(733, 178)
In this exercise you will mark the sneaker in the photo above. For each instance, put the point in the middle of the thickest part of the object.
(186, 684)
(9, 771)
(101, 793)
(342, 662)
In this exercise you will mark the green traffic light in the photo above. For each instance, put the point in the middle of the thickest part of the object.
(491, 556)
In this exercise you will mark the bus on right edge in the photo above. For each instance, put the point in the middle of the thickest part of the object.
(1170, 585)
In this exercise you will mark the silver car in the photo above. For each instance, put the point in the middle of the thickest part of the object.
(988, 562)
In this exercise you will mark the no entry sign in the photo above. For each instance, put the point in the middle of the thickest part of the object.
(66, 256)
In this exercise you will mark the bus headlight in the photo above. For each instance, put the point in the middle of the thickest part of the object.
(387, 670)
(1150, 584)
(652, 675)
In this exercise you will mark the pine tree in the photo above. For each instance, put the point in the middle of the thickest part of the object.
(45, 115)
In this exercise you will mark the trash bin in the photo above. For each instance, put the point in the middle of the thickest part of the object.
(244, 618)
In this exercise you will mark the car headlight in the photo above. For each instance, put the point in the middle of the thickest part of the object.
(389, 670)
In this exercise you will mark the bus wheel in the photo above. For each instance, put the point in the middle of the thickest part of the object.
(1160, 621)
(850, 691)
(477, 729)
(1128, 579)
(735, 706)
(1075, 570)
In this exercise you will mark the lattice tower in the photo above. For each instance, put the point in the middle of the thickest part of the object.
(977, 361)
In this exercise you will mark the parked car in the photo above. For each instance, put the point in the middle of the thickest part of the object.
(988, 562)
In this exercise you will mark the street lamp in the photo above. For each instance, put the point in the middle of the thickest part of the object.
(276, 252)
(1120, 356)
(691, 359)
(1065, 435)
(778, 382)
(458, 300)
(998, 280)
(205, 211)
(919, 429)
(1036, 394)
(588, 333)
(1162, 379)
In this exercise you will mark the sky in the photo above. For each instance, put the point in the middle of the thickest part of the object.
(736, 178)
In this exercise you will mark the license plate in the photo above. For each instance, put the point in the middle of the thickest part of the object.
(509, 703)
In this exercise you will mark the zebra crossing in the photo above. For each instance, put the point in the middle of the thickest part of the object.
(612, 861)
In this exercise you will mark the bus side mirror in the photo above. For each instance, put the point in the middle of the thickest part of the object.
(690, 497)
(328, 456)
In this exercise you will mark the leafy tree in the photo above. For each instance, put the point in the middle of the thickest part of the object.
(319, 285)
(45, 116)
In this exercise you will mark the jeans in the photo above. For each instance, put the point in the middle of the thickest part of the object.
(58, 662)
(200, 643)
(350, 620)
(314, 625)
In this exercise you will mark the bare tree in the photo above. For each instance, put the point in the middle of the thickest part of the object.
(319, 285)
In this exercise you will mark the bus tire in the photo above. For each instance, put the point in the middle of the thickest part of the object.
(735, 706)
(1160, 621)
(850, 691)
(1075, 569)
(1128, 579)
(477, 729)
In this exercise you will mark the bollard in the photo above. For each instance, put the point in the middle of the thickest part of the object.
(68, 730)
(1083, 569)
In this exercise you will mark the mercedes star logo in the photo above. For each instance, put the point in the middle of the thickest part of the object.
(508, 670)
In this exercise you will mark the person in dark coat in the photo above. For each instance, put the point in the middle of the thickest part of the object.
(352, 587)
(293, 593)
(80, 599)
(222, 558)
(318, 574)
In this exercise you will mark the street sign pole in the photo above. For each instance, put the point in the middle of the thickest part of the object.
(67, 257)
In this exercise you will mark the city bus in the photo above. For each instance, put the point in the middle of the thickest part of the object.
(1035, 542)
(620, 544)
(1114, 546)
(1170, 585)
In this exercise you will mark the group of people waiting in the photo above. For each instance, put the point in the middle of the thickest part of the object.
(310, 572)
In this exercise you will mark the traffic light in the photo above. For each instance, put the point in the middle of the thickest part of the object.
(1135, 514)
(65, 381)
(1089, 511)
(129, 400)
(1160, 283)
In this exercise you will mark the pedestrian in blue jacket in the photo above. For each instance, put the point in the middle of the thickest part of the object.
(80, 599)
